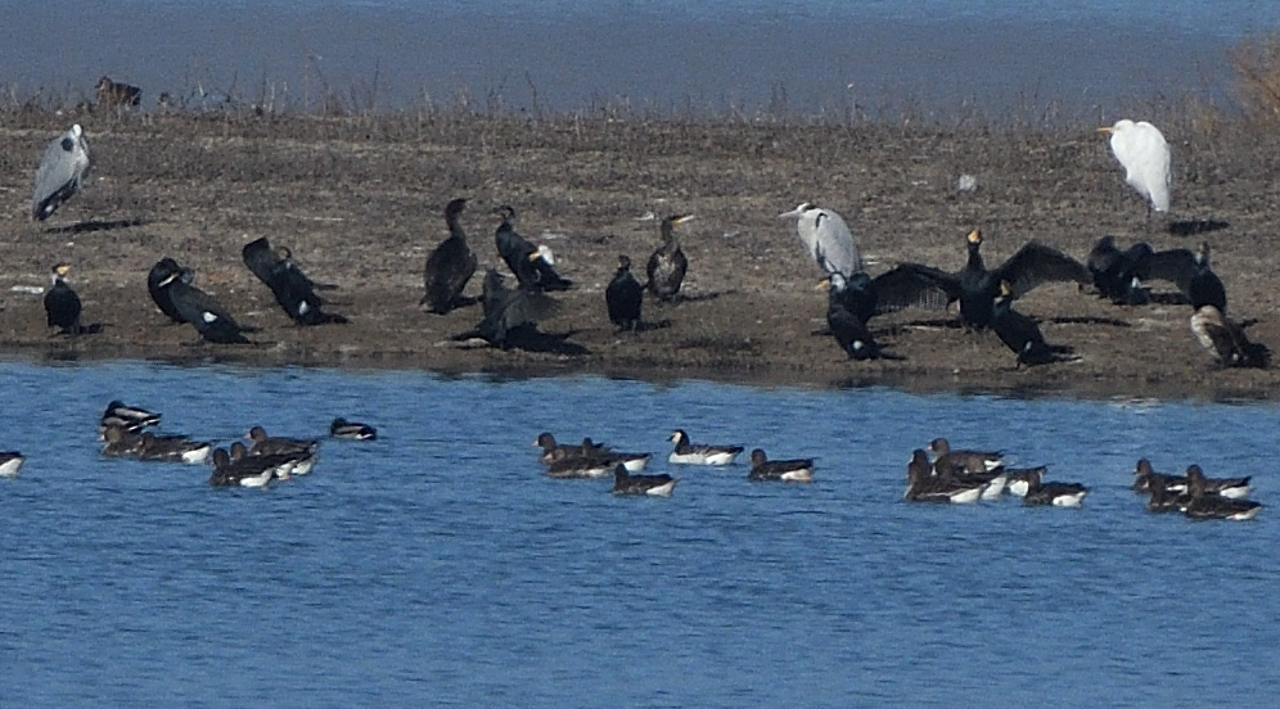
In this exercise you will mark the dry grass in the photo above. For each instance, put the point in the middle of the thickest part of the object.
(1257, 65)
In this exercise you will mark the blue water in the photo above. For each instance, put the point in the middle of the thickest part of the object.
(437, 566)
(838, 59)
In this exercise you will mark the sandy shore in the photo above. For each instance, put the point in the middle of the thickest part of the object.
(359, 201)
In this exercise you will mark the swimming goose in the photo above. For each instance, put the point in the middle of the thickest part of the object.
(10, 462)
(342, 428)
(797, 470)
(177, 449)
(686, 453)
(1053, 493)
(565, 466)
(547, 443)
(241, 473)
(1205, 504)
(130, 418)
(625, 484)
(947, 460)
(267, 445)
(924, 486)
(1018, 480)
(120, 442)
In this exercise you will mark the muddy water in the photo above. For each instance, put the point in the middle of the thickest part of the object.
(437, 566)
(863, 59)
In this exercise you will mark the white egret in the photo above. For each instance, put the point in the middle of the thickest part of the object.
(826, 238)
(1142, 151)
(63, 166)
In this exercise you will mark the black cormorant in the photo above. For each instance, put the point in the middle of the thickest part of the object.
(668, 264)
(1191, 272)
(847, 326)
(624, 296)
(1021, 334)
(61, 304)
(161, 272)
(524, 259)
(450, 265)
(292, 289)
(509, 315)
(976, 287)
(1117, 274)
(205, 313)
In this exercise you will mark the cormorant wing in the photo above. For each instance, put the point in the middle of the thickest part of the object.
(1035, 263)
(901, 283)
(1177, 266)
(260, 259)
(913, 285)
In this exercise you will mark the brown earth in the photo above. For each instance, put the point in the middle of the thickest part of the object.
(359, 201)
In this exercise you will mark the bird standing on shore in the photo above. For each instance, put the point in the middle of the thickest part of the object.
(1143, 153)
(510, 316)
(1192, 273)
(844, 321)
(61, 304)
(977, 288)
(1022, 335)
(61, 170)
(668, 264)
(292, 289)
(1226, 341)
(160, 273)
(524, 259)
(450, 265)
(624, 296)
(209, 317)
(826, 239)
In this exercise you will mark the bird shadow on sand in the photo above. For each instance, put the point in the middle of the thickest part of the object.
(1087, 320)
(92, 225)
(1192, 227)
(695, 298)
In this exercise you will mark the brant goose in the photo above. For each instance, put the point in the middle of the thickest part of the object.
(626, 484)
(686, 453)
(799, 470)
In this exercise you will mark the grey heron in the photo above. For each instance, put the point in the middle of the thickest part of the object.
(61, 170)
(826, 238)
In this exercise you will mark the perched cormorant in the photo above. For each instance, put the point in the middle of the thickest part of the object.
(849, 329)
(686, 453)
(526, 261)
(1191, 272)
(668, 264)
(826, 239)
(624, 296)
(976, 287)
(160, 273)
(1117, 274)
(61, 170)
(509, 315)
(61, 304)
(1021, 334)
(1226, 341)
(798, 470)
(450, 265)
(290, 286)
(205, 313)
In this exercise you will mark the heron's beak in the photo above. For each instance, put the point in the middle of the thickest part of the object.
(793, 214)
(1105, 129)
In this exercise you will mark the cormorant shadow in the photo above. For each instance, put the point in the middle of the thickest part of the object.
(532, 340)
(1088, 320)
(1191, 227)
(95, 225)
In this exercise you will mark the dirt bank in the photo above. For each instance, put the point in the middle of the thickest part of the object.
(359, 201)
